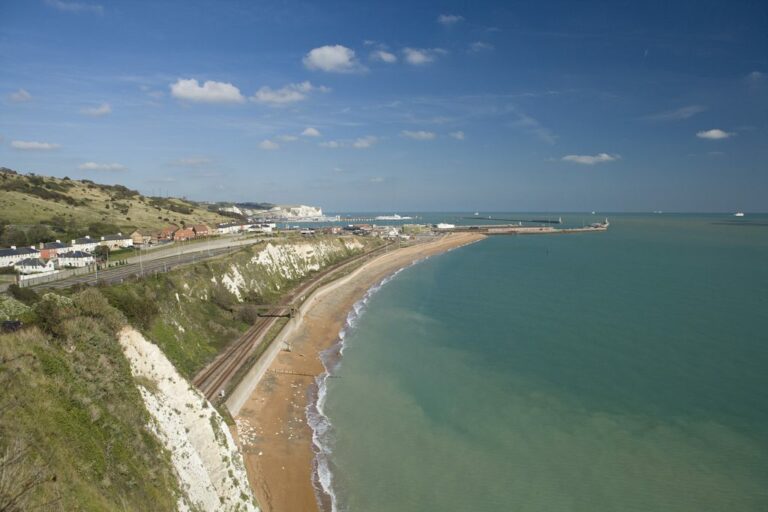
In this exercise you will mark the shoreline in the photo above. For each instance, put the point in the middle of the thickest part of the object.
(277, 443)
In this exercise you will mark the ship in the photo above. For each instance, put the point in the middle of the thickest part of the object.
(393, 217)
(738, 214)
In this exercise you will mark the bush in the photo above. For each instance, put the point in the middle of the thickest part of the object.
(52, 311)
(26, 295)
(139, 307)
(92, 303)
(223, 298)
(248, 313)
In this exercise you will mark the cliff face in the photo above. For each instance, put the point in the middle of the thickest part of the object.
(205, 458)
(272, 267)
(193, 312)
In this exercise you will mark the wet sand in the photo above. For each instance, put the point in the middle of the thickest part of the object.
(272, 425)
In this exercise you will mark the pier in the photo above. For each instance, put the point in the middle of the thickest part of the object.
(559, 220)
(514, 229)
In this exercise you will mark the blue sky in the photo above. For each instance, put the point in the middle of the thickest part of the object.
(395, 106)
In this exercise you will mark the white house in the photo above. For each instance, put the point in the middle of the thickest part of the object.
(85, 244)
(260, 228)
(75, 259)
(118, 241)
(34, 266)
(443, 225)
(13, 255)
(229, 228)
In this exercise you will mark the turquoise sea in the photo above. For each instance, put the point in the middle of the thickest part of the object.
(617, 371)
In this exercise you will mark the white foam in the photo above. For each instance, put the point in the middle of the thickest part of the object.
(322, 429)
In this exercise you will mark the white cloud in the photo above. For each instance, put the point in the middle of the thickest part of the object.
(418, 135)
(590, 159)
(209, 92)
(311, 132)
(287, 138)
(714, 134)
(20, 96)
(457, 135)
(333, 59)
(383, 56)
(358, 143)
(533, 126)
(755, 76)
(286, 95)
(364, 142)
(194, 161)
(269, 145)
(420, 56)
(94, 166)
(31, 145)
(376, 179)
(480, 46)
(102, 110)
(448, 20)
(678, 114)
(75, 6)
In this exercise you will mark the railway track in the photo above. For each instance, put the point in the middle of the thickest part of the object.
(214, 379)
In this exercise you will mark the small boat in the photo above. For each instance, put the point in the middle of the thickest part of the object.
(738, 214)
(477, 213)
(593, 212)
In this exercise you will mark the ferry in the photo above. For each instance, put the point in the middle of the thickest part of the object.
(393, 217)
(738, 214)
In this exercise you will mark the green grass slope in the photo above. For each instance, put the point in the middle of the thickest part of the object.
(40, 208)
(73, 427)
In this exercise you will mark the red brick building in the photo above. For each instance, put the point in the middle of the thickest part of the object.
(183, 234)
(202, 230)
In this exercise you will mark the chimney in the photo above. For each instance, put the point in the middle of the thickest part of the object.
(73, 242)
(42, 245)
(102, 238)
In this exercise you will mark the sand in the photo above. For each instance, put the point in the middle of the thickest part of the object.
(272, 426)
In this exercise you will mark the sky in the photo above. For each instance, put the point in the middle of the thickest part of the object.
(395, 106)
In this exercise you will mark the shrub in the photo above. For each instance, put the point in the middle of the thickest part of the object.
(92, 303)
(52, 310)
(248, 313)
(139, 307)
(26, 295)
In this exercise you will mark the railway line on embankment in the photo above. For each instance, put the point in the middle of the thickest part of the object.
(216, 378)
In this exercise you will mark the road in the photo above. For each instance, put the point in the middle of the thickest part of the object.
(144, 262)
(144, 268)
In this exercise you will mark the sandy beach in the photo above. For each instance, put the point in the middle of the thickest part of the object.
(271, 425)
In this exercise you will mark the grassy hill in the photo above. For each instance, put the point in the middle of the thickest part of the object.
(74, 432)
(42, 208)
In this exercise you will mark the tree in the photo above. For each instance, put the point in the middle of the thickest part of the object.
(39, 233)
(14, 236)
(102, 251)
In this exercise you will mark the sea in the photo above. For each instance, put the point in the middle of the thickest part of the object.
(618, 371)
